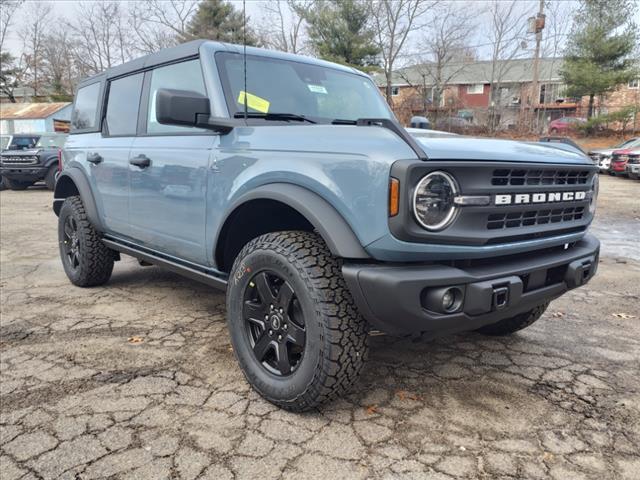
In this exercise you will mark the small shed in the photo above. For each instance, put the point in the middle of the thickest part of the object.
(34, 117)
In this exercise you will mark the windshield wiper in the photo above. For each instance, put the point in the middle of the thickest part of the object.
(342, 121)
(275, 116)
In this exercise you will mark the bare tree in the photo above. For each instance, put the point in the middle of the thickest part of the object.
(8, 9)
(447, 46)
(33, 34)
(101, 38)
(394, 21)
(506, 34)
(59, 68)
(283, 25)
(159, 24)
(10, 72)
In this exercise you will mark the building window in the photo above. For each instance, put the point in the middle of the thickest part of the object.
(553, 93)
(475, 89)
(395, 91)
(634, 83)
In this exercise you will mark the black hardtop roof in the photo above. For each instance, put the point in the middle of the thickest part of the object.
(167, 55)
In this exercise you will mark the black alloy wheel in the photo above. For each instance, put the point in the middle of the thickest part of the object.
(274, 323)
(71, 243)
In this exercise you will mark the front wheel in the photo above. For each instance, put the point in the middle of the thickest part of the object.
(295, 329)
(513, 324)
(86, 260)
(50, 178)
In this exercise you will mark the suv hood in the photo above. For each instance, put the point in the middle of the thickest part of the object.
(468, 148)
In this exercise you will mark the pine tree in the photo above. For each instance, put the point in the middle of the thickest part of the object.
(219, 20)
(600, 50)
(339, 31)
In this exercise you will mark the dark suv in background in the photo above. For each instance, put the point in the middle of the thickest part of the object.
(29, 158)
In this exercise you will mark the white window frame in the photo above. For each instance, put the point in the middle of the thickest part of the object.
(475, 89)
(395, 91)
(631, 83)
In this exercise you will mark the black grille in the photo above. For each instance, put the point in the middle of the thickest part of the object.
(19, 160)
(504, 176)
(533, 217)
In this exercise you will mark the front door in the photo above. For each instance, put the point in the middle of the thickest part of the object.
(168, 173)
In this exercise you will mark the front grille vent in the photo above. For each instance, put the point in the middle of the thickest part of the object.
(533, 217)
(504, 176)
(19, 160)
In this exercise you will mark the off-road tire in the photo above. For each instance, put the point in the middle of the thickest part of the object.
(336, 335)
(50, 178)
(513, 324)
(17, 184)
(3, 185)
(95, 260)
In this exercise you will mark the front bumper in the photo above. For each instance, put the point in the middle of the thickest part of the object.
(399, 299)
(26, 173)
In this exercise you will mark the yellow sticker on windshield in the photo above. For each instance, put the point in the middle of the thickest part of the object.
(254, 102)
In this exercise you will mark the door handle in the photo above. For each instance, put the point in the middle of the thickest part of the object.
(141, 161)
(94, 158)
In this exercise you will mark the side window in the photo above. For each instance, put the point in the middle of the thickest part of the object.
(180, 76)
(123, 104)
(83, 116)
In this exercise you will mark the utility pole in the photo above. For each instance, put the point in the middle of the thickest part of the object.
(534, 98)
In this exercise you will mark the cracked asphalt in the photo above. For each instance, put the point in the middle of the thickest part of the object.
(137, 379)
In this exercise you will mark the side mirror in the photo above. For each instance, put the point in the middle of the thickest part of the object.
(188, 109)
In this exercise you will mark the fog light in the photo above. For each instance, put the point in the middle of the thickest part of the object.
(448, 299)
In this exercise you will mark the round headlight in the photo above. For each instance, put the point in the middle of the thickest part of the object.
(433, 204)
(595, 187)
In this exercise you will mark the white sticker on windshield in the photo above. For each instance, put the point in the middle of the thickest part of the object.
(317, 89)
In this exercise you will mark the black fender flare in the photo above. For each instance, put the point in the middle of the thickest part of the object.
(51, 160)
(75, 177)
(331, 226)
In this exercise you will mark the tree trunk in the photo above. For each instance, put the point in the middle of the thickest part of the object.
(590, 109)
(388, 88)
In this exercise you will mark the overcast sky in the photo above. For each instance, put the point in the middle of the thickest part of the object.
(67, 9)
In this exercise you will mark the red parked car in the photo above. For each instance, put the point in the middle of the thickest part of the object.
(619, 160)
(566, 125)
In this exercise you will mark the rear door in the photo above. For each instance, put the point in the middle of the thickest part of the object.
(169, 171)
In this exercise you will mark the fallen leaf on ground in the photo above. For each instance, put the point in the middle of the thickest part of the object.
(558, 314)
(135, 340)
(402, 395)
(371, 409)
(624, 316)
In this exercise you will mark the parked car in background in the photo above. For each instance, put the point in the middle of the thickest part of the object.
(619, 160)
(602, 156)
(566, 125)
(453, 124)
(31, 158)
(632, 167)
(420, 122)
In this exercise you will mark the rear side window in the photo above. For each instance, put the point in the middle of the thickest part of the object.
(181, 76)
(123, 105)
(85, 108)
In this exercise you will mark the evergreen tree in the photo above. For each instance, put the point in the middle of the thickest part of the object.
(600, 50)
(219, 20)
(339, 31)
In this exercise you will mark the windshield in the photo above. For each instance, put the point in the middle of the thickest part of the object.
(51, 141)
(633, 142)
(281, 86)
(4, 141)
(23, 142)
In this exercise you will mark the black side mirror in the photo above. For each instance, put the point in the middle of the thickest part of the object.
(188, 109)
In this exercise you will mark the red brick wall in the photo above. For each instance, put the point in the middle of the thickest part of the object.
(477, 100)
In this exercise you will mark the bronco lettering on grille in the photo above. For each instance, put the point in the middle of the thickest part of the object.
(525, 198)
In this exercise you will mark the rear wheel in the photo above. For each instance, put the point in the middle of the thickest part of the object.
(86, 260)
(295, 330)
(513, 324)
(554, 131)
(50, 178)
(17, 184)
